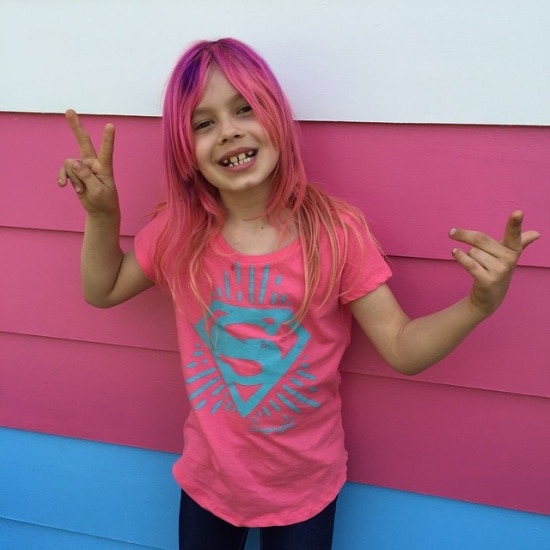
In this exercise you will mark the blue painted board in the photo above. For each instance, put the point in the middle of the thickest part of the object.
(58, 493)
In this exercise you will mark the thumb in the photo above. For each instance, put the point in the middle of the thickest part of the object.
(529, 237)
(83, 171)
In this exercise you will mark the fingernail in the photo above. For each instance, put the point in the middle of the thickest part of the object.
(78, 189)
(452, 232)
(76, 165)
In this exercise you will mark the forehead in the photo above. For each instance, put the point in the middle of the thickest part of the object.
(217, 91)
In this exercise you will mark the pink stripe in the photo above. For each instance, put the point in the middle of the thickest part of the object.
(51, 305)
(413, 181)
(106, 393)
(485, 447)
(34, 146)
(507, 353)
(49, 300)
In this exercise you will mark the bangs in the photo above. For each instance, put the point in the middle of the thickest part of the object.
(196, 212)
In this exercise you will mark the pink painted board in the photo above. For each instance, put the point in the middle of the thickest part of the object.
(114, 394)
(414, 181)
(34, 147)
(45, 296)
(509, 352)
(485, 447)
(480, 446)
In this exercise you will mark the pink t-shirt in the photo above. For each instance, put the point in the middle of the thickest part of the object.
(264, 443)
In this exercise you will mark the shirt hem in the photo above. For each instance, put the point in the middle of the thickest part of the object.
(266, 520)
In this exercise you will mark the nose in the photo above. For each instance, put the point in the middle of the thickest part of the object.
(229, 129)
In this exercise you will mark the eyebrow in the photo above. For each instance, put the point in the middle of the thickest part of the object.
(200, 111)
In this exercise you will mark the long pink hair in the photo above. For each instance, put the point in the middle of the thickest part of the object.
(194, 209)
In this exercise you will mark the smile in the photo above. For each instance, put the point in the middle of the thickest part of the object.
(243, 158)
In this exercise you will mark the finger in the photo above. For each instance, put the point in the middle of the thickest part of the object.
(512, 232)
(82, 137)
(529, 237)
(84, 174)
(70, 169)
(471, 265)
(484, 259)
(80, 175)
(477, 239)
(62, 177)
(107, 146)
(65, 173)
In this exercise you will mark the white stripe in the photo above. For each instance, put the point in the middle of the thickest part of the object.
(441, 61)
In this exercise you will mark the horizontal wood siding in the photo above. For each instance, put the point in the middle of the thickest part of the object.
(473, 425)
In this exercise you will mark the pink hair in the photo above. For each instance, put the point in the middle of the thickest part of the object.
(194, 209)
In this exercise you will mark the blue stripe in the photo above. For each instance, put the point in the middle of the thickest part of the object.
(200, 375)
(60, 493)
(301, 397)
(263, 285)
(288, 403)
(227, 285)
(109, 491)
(203, 388)
(251, 284)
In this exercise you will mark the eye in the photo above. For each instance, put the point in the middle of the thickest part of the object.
(201, 125)
(244, 109)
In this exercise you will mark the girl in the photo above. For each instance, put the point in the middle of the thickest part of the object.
(265, 272)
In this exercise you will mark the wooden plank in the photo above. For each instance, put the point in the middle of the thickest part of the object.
(413, 182)
(509, 352)
(120, 495)
(485, 447)
(401, 61)
(115, 394)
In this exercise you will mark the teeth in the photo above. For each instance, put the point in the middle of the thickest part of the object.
(243, 158)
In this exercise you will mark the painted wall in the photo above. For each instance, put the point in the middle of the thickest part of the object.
(399, 61)
(474, 428)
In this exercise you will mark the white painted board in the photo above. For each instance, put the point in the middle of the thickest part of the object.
(409, 61)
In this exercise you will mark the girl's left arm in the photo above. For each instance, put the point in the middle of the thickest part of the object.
(412, 345)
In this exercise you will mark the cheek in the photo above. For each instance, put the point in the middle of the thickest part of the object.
(201, 155)
(274, 152)
(276, 157)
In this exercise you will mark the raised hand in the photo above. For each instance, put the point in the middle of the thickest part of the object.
(91, 175)
(491, 263)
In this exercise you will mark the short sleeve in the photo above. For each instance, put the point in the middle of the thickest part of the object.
(365, 268)
(144, 247)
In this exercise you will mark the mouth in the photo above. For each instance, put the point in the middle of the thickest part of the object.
(240, 159)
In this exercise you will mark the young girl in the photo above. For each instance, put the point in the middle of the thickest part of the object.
(265, 271)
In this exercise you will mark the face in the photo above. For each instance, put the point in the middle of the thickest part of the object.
(232, 149)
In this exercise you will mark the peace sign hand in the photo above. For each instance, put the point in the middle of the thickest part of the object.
(491, 263)
(91, 175)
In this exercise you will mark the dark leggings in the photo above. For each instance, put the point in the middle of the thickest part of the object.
(202, 530)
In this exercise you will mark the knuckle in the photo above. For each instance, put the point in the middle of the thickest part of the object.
(81, 169)
(67, 163)
(510, 257)
(467, 261)
(480, 240)
(503, 269)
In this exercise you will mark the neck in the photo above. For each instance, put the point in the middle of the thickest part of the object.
(250, 236)
(247, 230)
(245, 209)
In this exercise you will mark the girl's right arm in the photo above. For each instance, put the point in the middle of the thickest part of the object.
(109, 276)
